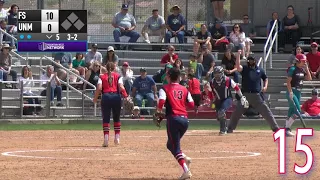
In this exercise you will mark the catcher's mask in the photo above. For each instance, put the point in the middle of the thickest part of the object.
(218, 74)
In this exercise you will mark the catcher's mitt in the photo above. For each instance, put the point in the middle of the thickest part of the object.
(128, 104)
(157, 118)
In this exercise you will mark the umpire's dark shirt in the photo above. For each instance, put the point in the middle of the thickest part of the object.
(251, 79)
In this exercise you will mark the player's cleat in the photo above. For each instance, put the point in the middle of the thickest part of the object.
(222, 133)
(185, 175)
(289, 133)
(116, 141)
(105, 144)
(188, 161)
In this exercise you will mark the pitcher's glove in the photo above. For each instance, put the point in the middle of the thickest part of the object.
(128, 104)
(157, 118)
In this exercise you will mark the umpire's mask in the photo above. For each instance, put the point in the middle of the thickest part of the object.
(251, 62)
(218, 74)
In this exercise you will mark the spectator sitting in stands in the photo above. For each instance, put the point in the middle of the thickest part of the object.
(124, 24)
(5, 64)
(311, 108)
(144, 87)
(290, 27)
(202, 37)
(179, 65)
(196, 67)
(313, 58)
(237, 39)
(164, 77)
(292, 57)
(64, 59)
(127, 75)
(56, 89)
(3, 11)
(275, 16)
(13, 19)
(111, 57)
(93, 74)
(3, 26)
(249, 31)
(219, 35)
(195, 91)
(26, 78)
(176, 25)
(93, 55)
(207, 60)
(184, 79)
(135, 112)
(229, 65)
(206, 96)
(79, 64)
(170, 57)
(154, 26)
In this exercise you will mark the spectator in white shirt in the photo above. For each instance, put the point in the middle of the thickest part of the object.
(3, 11)
(56, 89)
(127, 75)
(154, 26)
(93, 55)
(27, 81)
(237, 39)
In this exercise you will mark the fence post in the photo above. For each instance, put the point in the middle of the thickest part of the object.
(1, 98)
(21, 99)
(68, 89)
(48, 99)
(40, 72)
(83, 91)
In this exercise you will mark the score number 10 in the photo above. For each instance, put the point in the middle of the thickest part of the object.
(69, 37)
(280, 136)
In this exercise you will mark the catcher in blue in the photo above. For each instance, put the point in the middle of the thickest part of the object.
(175, 97)
(221, 88)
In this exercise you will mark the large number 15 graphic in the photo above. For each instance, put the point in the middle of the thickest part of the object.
(280, 136)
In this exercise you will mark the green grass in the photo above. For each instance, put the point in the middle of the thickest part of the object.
(95, 127)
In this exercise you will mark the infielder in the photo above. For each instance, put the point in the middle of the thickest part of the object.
(296, 75)
(111, 85)
(175, 97)
(221, 89)
(252, 90)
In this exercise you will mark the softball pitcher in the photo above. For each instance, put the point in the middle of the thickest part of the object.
(221, 88)
(296, 75)
(111, 85)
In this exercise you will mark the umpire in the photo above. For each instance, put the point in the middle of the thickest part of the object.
(252, 90)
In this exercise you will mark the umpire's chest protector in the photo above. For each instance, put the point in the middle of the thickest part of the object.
(221, 90)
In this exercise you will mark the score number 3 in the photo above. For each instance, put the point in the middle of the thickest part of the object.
(299, 147)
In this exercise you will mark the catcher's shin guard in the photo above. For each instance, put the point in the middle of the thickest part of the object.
(222, 118)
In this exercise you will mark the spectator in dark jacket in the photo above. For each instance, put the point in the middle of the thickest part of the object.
(13, 19)
(275, 16)
(219, 35)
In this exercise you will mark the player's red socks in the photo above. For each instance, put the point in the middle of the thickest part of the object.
(179, 157)
(117, 128)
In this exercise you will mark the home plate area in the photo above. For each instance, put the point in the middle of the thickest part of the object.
(143, 155)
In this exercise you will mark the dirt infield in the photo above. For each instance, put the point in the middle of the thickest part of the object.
(143, 155)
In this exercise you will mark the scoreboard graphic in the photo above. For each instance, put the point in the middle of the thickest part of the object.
(52, 31)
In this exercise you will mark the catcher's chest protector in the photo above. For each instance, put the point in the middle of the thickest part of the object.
(222, 90)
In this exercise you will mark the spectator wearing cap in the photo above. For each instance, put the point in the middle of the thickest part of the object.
(144, 87)
(6, 62)
(176, 25)
(13, 19)
(124, 24)
(127, 75)
(202, 37)
(79, 64)
(237, 39)
(3, 11)
(249, 31)
(290, 29)
(313, 58)
(219, 35)
(207, 60)
(154, 26)
(111, 56)
(170, 57)
(164, 77)
(93, 55)
(311, 108)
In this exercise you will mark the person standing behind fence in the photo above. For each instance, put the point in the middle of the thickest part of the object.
(110, 84)
(154, 26)
(296, 75)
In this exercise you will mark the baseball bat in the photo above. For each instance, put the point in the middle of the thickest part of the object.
(299, 115)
